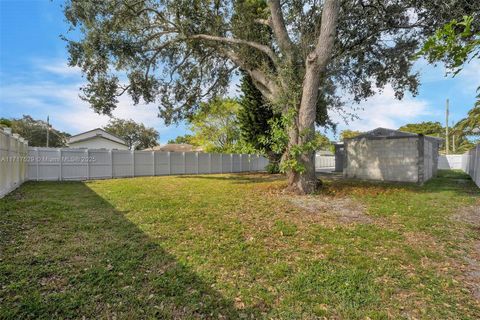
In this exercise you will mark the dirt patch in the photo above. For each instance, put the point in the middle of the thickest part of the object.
(470, 215)
(471, 265)
(472, 272)
(53, 283)
(342, 209)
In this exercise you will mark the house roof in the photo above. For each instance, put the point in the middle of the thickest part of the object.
(175, 147)
(95, 133)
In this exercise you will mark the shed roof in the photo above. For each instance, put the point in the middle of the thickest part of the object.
(390, 133)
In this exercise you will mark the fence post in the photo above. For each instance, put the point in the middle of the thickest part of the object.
(133, 163)
(184, 163)
(111, 162)
(169, 163)
(221, 162)
(198, 160)
(37, 158)
(231, 163)
(153, 161)
(60, 163)
(88, 163)
(209, 163)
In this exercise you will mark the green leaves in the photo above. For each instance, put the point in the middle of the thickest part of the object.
(454, 44)
(136, 135)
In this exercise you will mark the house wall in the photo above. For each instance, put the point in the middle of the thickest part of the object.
(384, 159)
(98, 143)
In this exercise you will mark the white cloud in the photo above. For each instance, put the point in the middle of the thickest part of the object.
(70, 113)
(384, 110)
(59, 98)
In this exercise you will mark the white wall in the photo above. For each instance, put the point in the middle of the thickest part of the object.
(13, 168)
(98, 143)
(84, 164)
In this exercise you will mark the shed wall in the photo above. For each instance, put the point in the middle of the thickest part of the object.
(392, 159)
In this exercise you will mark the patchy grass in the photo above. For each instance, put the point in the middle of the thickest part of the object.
(235, 246)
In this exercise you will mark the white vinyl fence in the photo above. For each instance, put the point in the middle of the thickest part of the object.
(451, 161)
(468, 162)
(83, 164)
(13, 168)
(472, 164)
(324, 162)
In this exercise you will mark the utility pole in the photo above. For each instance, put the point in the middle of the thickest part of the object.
(446, 129)
(48, 130)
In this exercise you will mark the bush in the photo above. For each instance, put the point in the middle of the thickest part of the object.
(273, 168)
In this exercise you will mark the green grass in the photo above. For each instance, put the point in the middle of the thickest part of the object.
(235, 246)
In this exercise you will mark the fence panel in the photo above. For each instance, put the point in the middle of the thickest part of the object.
(454, 161)
(99, 162)
(468, 162)
(324, 161)
(13, 159)
(83, 164)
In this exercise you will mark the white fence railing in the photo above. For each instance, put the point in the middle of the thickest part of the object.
(468, 162)
(13, 151)
(84, 164)
(324, 161)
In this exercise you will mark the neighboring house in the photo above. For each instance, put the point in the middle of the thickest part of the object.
(97, 139)
(175, 147)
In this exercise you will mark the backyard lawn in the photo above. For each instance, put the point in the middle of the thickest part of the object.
(236, 246)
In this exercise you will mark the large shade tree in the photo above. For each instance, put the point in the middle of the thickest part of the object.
(303, 55)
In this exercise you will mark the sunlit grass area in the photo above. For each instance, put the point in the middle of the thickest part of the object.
(237, 246)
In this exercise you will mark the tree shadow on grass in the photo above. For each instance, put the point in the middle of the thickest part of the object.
(457, 182)
(68, 253)
(238, 178)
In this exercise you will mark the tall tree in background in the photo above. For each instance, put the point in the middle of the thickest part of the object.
(179, 52)
(215, 126)
(348, 134)
(136, 135)
(185, 139)
(255, 118)
(35, 131)
(428, 128)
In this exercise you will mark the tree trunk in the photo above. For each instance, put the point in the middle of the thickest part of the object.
(303, 128)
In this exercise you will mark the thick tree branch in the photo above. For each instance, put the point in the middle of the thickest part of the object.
(263, 48)
(279, 28)
(265, 85)
(324, 47)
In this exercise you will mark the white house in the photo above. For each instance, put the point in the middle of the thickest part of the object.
(97, 139)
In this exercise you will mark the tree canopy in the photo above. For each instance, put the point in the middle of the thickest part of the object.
(348, 134)
(35, 131)
(136, 135)
(215, 126)
(304, 56)
(428, 128)
(186, 139)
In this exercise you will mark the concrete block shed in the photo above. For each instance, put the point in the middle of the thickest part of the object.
(391, 155)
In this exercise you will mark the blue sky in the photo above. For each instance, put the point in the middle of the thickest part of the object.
(35, 80)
